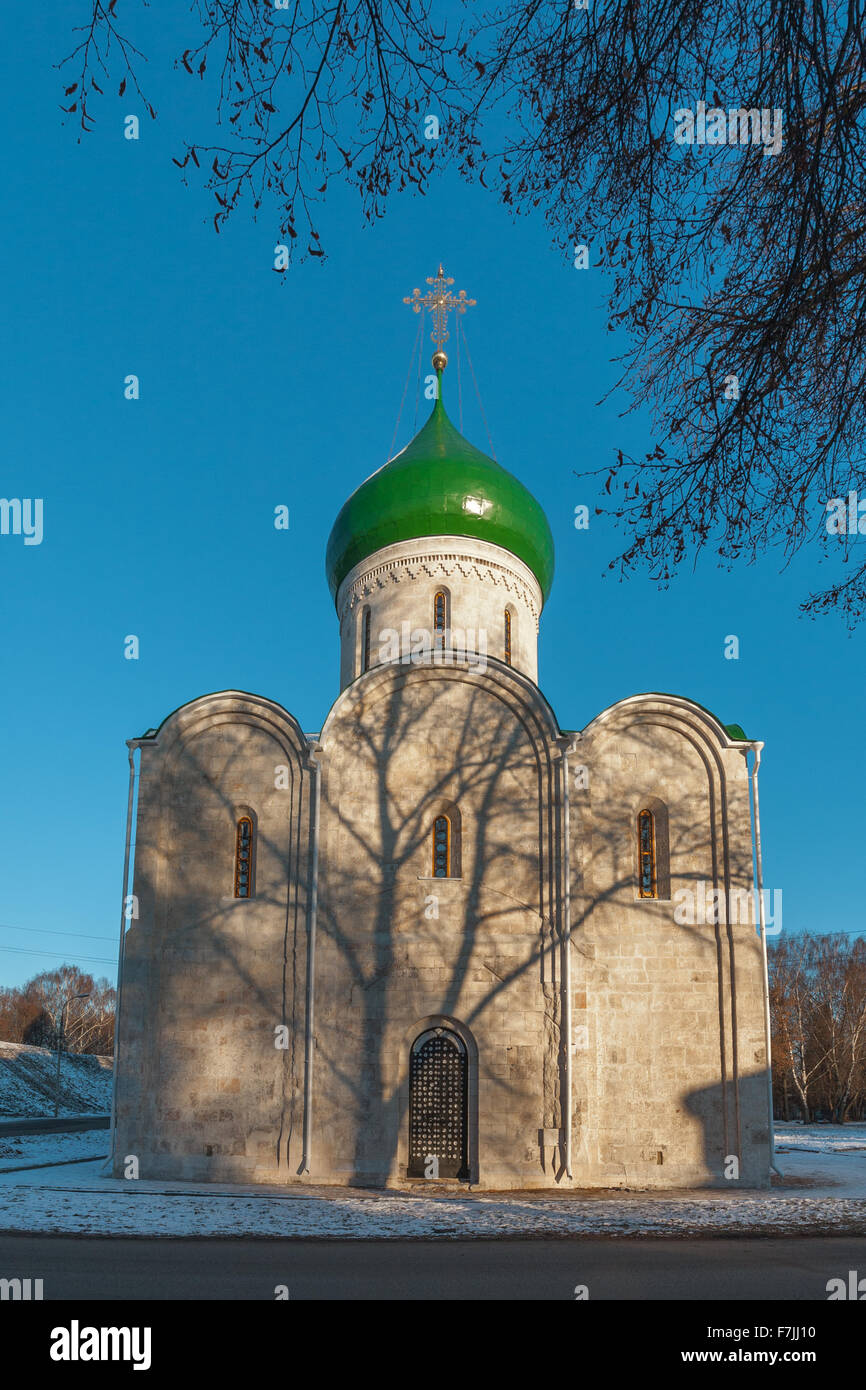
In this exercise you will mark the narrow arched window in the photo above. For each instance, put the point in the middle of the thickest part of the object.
(440, 607)
(646, 847)
(508, 636)
(244, 858)
(365, 641)
(442, 847)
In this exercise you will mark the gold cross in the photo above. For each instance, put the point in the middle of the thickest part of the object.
(441, 302)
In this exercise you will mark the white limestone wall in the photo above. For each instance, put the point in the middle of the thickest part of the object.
(670, 1059)
(203, 1091)
(398, 584)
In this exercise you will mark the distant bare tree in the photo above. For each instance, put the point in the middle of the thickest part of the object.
(20, 1012)
(792, 1011)
(840, 1018)
(818, 1011)
(31, 1013)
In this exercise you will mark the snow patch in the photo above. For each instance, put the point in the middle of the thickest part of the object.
(78, 1199)
(28, 1076)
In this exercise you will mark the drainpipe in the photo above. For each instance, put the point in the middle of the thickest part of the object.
(312, 914)
(131, 744)
(759, 874)
(566, 946)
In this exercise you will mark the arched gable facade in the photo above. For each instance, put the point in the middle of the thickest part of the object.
(396, 944)
(209, 976)
(670, 1009)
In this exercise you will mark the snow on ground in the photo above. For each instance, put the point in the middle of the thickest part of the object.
(828, 1160)
(820, 1138)
(18, 1149)
(27, 1081)
(89, 1204)
(823, 1193)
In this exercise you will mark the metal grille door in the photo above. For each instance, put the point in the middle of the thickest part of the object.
(438, 1109)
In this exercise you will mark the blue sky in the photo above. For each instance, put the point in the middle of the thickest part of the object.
(259, 389)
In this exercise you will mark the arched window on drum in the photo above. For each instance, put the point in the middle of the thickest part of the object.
(440, 620)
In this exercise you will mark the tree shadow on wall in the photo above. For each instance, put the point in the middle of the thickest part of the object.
(494, 758)
(730, 1165)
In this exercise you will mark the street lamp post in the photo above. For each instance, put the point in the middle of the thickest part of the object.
(66, 1004)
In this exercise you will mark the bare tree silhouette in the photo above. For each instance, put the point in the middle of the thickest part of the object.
(818, 1002)
(734, 263)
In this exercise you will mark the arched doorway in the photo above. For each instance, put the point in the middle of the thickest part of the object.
(438, 1106)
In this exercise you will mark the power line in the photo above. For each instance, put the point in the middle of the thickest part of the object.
(46, 931)
(26, 951)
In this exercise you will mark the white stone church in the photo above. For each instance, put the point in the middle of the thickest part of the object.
(437, 941)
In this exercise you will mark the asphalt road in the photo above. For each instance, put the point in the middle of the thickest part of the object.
(62, 1125)
(759, 1269)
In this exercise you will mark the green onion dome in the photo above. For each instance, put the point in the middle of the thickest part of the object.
(440, 485)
